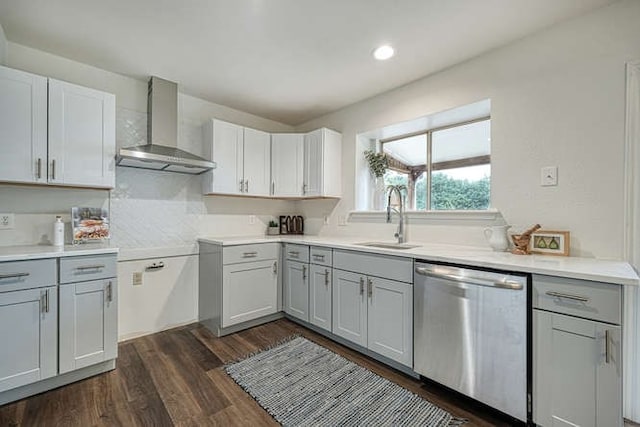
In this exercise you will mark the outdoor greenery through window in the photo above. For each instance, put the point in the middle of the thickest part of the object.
(443, 169)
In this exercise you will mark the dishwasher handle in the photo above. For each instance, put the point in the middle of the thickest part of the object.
(504, 284)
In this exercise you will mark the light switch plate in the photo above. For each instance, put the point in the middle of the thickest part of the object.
(6, 221)
(549, 176)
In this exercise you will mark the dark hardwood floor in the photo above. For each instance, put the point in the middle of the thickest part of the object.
(176, 378)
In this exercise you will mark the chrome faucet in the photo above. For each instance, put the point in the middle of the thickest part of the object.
(400, 211)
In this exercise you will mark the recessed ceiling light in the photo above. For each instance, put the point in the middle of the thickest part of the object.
(383, 52)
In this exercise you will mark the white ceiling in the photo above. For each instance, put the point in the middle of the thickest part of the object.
(287, 60)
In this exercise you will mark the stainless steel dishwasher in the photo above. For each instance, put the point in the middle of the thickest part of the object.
(470, 334)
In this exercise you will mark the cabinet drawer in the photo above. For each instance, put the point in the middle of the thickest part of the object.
(249, 253)
(296, 252)
(385, 266)
(321, 256)
(17, 275)
(591, 300)
(84, 268)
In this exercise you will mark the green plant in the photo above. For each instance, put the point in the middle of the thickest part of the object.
(378, 162)
(272, 223)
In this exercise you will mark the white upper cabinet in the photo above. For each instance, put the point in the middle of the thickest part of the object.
(81, 136)
(23, 126)
(322, 164)
(55, 132)
(242, 156)
(224, 144)
(257, 162)
(287, 150)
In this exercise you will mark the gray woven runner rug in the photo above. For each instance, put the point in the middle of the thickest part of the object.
(303, 384)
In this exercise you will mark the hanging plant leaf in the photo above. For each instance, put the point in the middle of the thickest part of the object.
(378, 163)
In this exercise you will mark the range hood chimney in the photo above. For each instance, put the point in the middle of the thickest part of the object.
(161, 152)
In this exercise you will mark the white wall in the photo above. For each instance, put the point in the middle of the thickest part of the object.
(557, 98)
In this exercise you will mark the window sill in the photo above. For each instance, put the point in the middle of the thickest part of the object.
(469, 218)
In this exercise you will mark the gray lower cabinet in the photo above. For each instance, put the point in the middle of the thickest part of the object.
(296, 289)
(249, 291)
(375, 313)
(577, 349)
(29, 336)
(88, 323)
(320, 296)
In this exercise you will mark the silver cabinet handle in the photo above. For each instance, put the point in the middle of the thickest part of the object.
(275, 267)
(249, 254)
(304, 189)
(326, 277)
(44, 300)
(273, 187)
(242, 185)
(362, 286)
(607, 347)
(53, 169)
(507, 284)
(246, 186)
(318, 257)
(369, 288)
(294, 254)
(110, 291)
(13, 275)
(567, 296)
(39, 168)
(155, 266)
(90, 267)
(304, 272)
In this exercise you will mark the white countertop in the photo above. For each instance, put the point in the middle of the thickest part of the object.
(21, 253)
(617, 272)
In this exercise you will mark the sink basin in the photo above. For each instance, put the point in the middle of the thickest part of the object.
(385, 245)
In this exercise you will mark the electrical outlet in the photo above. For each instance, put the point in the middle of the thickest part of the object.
(137, 279)
(6, 221)
(342, 220)
(252, 219)
(326, 220)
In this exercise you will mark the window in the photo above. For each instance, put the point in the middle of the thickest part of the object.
(444, 169)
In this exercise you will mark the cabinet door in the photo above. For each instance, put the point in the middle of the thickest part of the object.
(228, 152)
(390, 319)
(257, 162)
(82, 144)
(88, 323)
(313, 164)
(350, 306)
(577, 367)
(23, 126)
(28, 332)
(296, 284)
(287, 163)
(320, 296)
(249, 291)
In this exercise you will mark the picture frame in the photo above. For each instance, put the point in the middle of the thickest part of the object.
(550, 242)
(89, 225)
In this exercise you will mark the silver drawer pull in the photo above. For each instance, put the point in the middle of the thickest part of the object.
(249, 254)
(155, 266)
(567, 296)
(294, 254)
(607, 348)
(13, 275)
(361, 285)
(90, 267)
(318, 257)
(110, 291)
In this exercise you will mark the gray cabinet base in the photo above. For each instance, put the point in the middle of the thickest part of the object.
(389, 362)
(55, 382)
(214, 324)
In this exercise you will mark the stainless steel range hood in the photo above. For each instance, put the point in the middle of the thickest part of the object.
(161, 152)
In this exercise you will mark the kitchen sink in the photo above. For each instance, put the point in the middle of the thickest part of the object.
(386, 245)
